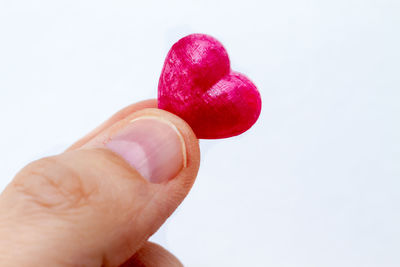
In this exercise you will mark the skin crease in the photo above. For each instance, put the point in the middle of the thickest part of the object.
(103, 214)
(198, 85)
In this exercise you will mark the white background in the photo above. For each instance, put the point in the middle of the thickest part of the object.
(316, 182)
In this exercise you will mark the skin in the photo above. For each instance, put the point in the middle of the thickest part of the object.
(102, 215)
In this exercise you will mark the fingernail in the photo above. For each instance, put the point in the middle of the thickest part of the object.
(153, 146)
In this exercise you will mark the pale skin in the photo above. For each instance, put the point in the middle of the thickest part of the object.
(88, 207)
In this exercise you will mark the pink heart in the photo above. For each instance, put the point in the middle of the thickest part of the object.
(198, 85)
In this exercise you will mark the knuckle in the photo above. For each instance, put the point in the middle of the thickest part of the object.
(53, 184)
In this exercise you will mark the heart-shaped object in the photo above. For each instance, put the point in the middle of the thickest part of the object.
(198, 85)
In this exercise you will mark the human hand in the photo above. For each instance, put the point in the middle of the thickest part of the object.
(97, 203)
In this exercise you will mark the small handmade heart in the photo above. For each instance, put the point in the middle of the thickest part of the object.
(198, 85)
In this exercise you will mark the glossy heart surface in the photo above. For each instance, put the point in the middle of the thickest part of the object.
(198, 85)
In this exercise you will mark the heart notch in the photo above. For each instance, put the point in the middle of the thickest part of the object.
(198, 85)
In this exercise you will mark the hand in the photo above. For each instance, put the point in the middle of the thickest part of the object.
(97, 203)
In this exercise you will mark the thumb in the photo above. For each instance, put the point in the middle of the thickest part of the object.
(95, 206)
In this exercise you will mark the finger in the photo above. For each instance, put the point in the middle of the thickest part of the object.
(151, 254)
(97, 205)
(151, 103)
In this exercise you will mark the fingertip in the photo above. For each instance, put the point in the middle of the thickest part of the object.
(157, 143)
(191, 143)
